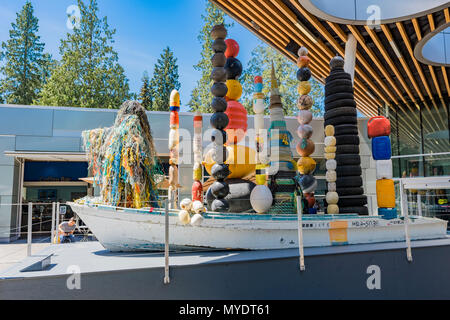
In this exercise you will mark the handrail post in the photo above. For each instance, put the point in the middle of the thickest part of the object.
(52, 235)
(29, 228)
(166, 244)
(57, 222)
(404, 210)
(300, 232)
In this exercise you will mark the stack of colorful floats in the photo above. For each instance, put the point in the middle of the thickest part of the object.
(305, 147)
(261, 197)
(174, 154)
(282, 168)
(219, 120)
(121, 222)
(379, 129)
(332, 197)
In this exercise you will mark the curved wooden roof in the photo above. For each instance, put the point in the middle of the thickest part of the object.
(386, 73)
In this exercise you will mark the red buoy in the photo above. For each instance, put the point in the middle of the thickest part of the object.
(232, 48)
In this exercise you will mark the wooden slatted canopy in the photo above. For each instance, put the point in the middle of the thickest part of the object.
(386, 72)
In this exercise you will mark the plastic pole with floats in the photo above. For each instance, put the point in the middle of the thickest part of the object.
(30, 221)
(300, 232)
(166, 244)
(404, 209)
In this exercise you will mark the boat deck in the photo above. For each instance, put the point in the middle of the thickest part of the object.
(331, 273)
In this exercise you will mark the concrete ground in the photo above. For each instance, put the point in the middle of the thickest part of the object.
(12, 253)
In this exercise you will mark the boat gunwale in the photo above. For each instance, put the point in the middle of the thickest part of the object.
(245, 216)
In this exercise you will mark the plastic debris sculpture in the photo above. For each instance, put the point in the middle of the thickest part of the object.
(282, 165)
(261, 197)
(379, 129)
(197, 188)
(174, 140)
(305, 147)
(219, 120)
(124, 157)
(340, 112)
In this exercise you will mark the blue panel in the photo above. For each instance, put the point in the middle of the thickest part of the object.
(68, 144)
(72, 122)
(7, 143)
(7, 180)
(55, 171)
(26, 121)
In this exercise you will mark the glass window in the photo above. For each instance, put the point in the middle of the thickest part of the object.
(409, 129)
(435, 128)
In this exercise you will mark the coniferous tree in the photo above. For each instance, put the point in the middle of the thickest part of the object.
(145, 96)
(165, 79)
(88, 74)
(286, 72)
(24, 60)
(201, 95)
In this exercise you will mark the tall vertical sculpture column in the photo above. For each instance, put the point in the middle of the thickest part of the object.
(340, 112)
(197, 188)
(305, 147)
(219, 120)
(174, 140)
(281, 170)
(261, 197)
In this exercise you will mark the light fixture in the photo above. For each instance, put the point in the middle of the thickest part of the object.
(394, 47)
(306, 31)
(255, 25)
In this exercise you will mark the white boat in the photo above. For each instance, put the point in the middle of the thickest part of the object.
(122, 229)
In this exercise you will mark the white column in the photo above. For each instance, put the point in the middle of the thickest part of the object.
(350, 55)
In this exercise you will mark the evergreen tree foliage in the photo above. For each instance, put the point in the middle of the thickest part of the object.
(165, 79)
(201, 95)
(286, 73)
(88, 74)
(145, 95)
(24, 60)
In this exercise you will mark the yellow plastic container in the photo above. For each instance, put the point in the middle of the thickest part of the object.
(385, 193)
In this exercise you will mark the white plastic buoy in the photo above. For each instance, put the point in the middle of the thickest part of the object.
(198, 207)
(186, 204)
(261, 198)
(184, 217)
(197, 220)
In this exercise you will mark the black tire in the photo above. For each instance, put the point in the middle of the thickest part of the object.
(338, 75)
(345, 129)
(340, 103)
(337, 89)
(347, 139)
(348, 159)
(349, 181)
(353, 191)
(347, 149)
(361, 211)
(338, 82)
(338, 112)
(338, 96)
(352, 201)
(341, 120)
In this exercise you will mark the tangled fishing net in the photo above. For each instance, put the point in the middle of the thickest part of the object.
(123, 159)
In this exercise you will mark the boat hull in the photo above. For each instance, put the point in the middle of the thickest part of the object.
(138, 230)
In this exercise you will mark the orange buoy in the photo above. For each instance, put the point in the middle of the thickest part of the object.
(232, 48)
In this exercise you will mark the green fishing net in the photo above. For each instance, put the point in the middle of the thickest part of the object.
(123, 159)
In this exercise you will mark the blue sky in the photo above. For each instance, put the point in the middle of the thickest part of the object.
(143, 29)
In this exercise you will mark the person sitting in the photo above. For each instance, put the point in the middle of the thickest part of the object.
(66, 230)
